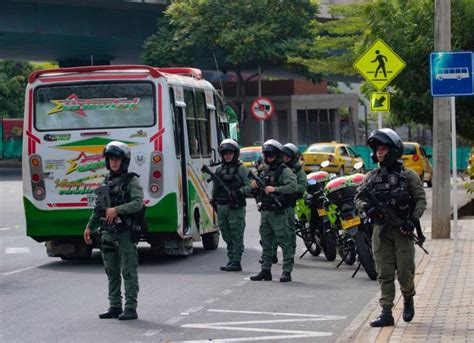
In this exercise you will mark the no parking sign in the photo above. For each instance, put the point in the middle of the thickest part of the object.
(262, 108)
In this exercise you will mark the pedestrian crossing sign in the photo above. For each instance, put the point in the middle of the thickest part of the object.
(380, 102)
(379, 64)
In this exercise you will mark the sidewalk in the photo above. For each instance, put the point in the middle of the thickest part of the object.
(444, 304)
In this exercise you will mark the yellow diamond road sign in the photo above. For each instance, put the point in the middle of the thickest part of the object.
(380, 102)
(379, 64)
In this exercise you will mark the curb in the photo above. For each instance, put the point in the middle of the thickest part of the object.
(10, 164)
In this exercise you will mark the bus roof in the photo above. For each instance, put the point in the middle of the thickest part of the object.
(169, 73)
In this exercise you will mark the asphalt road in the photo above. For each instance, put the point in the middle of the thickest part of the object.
(45, 299)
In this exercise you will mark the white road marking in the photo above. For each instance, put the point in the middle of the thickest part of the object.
(21, 270)
(210, 300)
(150, 333)
(241, 283)
(283, 334)
(226, 292)
(174, 320)
(281, 314)
(20, 250)
(9, 228)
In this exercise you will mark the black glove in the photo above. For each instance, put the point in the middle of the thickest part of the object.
(213, 203)
(410, 224)
(234, 195)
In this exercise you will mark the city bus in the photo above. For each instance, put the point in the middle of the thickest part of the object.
(172, 120)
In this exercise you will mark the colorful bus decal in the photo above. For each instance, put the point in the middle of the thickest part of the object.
(93, 145)
(76, 105)
(199, 196)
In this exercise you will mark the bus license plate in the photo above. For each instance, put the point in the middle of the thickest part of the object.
(321, 212)
(346, 224)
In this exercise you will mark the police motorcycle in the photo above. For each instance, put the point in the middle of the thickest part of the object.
(312, 221)
(354, 228)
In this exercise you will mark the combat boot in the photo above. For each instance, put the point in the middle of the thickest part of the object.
(234, 267)
(408, 309)
(128, 314)
(384, 319)
(264, 274)
(285, 277)
(224, 268)
(112, 312)
(274, 260)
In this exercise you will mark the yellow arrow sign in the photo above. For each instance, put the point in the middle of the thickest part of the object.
(380, 102)
(379, 64)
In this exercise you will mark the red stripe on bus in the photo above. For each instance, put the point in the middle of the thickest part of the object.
(68, 204)
(30, 109)
(33, 137)
(157, 135)
(94, 77)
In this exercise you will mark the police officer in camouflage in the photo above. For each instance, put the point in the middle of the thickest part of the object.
(280, 183)
(394, 252)
(291, 157)
(118, 243)
(231, 207)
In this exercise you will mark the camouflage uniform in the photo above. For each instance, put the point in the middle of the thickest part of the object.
(402, 190)
(274, 222)
(395, 252)
(230, 211)
(119, 250)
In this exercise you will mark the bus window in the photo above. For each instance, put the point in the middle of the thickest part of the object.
(175, 111)
(222, 124)
(92, 106)
(191, 121)
(203, 121)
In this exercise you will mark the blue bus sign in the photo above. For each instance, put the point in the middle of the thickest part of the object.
(452, 73)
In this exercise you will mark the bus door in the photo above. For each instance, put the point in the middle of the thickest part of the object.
(177, 98)
(199, 146)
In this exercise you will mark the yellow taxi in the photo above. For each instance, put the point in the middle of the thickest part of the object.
(415, 158)
(341, 157)
(250, 155)
(470, 166)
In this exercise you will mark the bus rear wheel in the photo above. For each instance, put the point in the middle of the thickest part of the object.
(210, 241)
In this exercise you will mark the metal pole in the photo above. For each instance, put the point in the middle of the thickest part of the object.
(455, 169)
(262, 122)
(380, 120)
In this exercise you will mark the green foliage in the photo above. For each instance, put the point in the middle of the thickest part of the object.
(13, 79)
(469, 186)
(242, 34)
(407, 26)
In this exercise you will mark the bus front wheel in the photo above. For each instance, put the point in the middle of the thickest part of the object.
(210, 241)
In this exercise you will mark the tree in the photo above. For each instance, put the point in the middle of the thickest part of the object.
(407, 26)
(244, 34)
(13, 80)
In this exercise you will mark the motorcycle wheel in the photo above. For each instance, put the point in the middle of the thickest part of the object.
(313, 248)
(329, 245)
(350, 257)
(365, 254)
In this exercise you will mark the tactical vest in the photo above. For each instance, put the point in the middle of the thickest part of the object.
(229, 174)
(391, 188)
(272, 177)
(117, 188)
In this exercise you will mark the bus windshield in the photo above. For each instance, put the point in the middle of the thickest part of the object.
(94, 106)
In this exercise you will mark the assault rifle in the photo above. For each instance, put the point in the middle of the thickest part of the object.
(101, 204)
(261, 186)
(216, 179)
(390, 217)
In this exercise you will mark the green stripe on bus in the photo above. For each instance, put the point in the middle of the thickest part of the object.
(163, 217)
